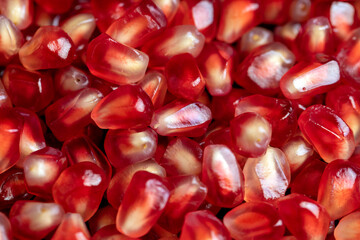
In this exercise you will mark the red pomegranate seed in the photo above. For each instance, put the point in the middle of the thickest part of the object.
(207, 227)
(186, 195)
(251, 134)
(6, 229)
(82, 149)
(12, 187)
(20, 12)
(345, 101)
(126, 107)
(236, 18)
(279, 112)
(256, 37)
(298, 152)
(216, 66)
(262, 69)
(254, 221)
(110, 233)
(267, 177)
(300, 10)
(308, 180)
(168, 7)
(181, 118)
(155, 85)
(144, 201)
(304, 217)
(338, 189)
(327, 132)
(80, 188)
(11, 40)
(306, 80)
(55, 6)
(174, 41)
(183, 76)
(29, 89)
(287, 34)
(121, 180)
(69, 115)
(115, 62)
(50, 47)
(182, 157)
(103, 217)
(223, 176)
(274, 11)
(34, 220)
(316, 37)
(348, 227)
(138, 25)
(5, 101)
(41, 170)
(80, 28)
(125, 147)
(72, 226)
(70, 79)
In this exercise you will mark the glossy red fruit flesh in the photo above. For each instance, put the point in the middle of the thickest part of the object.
(144, 201)
(254, 221)
(126, 107)
(20, 12)
(155, 85)
(6, 229)
(72, 226)
(348, 227)
(327, 132)
(80, 188)
(55, 6)
(105, 216)
(11, 40)
(254, 38)
(207, 225)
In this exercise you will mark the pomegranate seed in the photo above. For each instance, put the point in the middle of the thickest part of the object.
(345, 100)
(262, 69)
(103, 217)
(174, 41)
(305, 80)
(80, 28)
(298, 152)
(20, 12)
(144, 201)
(327, 132)
(216, 67)
(207, 227)
(12, 187)
(72, 226)
(6, 230)
(223, 176)
(110, 232)
(182, 157)
(236, 18)
(29, 89)
(34, 220)
(254, 221)
(50, 47)
(55, 6)
(186, 195)
(138, 25)
(5, 101)
(287, 34)
(299, 10)
(348, 227)
(338, 189)
(181, 118)
(70, 79)
(168, 7)
(251, 134)
(80, 188)
(267, 177)
(296, 208)
(41, 170)
(125, 147)
(115, 62)
(11, 40)
(154, 84)
(183, 76)
(254, 38)
(274, 11)
(308, 179)
(121, 180)
(69, 115)
(316, 37)
(126, 107)
(278, 112)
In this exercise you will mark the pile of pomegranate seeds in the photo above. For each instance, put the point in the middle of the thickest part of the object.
(180, 119)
